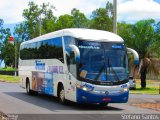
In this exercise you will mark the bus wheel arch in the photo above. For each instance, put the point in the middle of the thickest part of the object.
(61, 93)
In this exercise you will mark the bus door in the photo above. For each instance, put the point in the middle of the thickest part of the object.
(71, 69)
(71, 79)
(71, 87)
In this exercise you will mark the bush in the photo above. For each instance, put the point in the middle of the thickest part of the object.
(8, 69)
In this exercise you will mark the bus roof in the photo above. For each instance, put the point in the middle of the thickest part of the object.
(82, 33)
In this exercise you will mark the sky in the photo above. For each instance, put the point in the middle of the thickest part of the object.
(127, 10)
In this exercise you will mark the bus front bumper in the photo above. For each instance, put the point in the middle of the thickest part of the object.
(92, 97)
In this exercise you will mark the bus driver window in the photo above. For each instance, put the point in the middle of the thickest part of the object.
(82, 70)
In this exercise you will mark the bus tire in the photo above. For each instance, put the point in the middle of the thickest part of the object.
(28, 90)
(103, 104)
(61, 95)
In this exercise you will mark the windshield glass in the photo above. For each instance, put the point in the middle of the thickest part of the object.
(101, 61)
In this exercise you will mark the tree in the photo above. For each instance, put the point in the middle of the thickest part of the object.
(102, 18)
(20, 32)
(79, 19)
(1, 29)
(1, 36)
(64, 21)
(125, 31)
(8, 53)
(49, 20)
(38, 20)
(7, 49)
(31, 16)
(142, 37)
(157, 37)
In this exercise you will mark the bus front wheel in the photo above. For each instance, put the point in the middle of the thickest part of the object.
(61, 95)
(103, 104)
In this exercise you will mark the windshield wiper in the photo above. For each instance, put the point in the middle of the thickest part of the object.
(101, 70)
(110, 66)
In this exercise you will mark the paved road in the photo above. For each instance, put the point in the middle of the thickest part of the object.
(14, 100)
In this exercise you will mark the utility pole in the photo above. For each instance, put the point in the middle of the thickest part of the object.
(115, 16)
(15, 74)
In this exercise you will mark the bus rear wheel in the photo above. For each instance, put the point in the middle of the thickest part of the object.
(28, 90)
(61, 95)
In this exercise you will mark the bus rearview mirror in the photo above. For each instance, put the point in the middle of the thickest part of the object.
(135, 54)
(76, 52)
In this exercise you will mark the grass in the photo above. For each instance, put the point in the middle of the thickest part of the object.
(9, 78)
(149, 90)
(152, 87)
(149, 82)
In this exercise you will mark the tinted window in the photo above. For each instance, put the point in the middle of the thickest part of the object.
(46, 49)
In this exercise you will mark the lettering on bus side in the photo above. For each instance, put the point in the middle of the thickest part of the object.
(39, 65)
(56, 69)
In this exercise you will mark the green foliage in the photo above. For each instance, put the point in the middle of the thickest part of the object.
(21, 31)
(8, 69)
(64, 21)
(79, 19)
(102, 18)
(38, 20)
(143, 36)
(47, 18)
(1, 29)
(8, 54)
(7, 49)
(31, 16)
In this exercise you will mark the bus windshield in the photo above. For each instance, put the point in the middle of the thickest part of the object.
(102, 61)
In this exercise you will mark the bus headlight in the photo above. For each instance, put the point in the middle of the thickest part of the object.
(85, 88)
(125, 89)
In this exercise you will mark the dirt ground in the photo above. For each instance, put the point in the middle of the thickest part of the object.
(153, 106)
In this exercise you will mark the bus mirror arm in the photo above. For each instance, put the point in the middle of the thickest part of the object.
(135, 54)
(76, 52)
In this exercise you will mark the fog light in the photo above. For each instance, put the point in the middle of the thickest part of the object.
(84, 97)
(125, 98)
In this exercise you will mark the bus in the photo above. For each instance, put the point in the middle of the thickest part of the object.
(76, 64)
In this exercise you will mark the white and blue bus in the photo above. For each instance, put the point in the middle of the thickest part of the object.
(79, 65)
